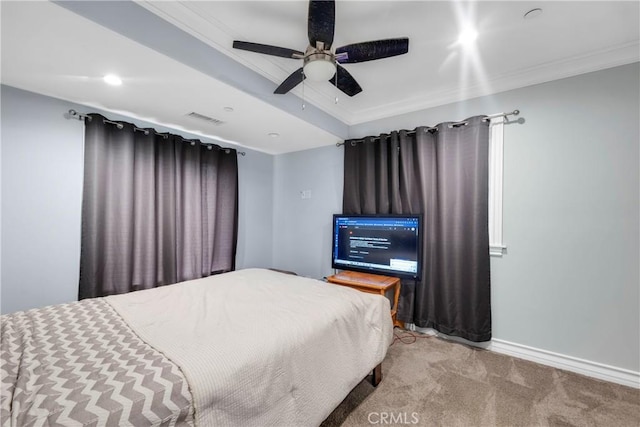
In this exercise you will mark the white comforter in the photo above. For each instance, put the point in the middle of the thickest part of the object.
(262, 348)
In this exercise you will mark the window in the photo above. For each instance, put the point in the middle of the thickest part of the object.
(496, 148)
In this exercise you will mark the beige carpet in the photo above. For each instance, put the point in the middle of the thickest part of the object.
(434, 382)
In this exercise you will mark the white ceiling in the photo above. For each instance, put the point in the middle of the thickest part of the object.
(50, 50)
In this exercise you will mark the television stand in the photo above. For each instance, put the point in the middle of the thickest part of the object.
(373, 284)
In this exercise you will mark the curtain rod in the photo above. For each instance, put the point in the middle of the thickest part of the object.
(454, 124)
(74, 114)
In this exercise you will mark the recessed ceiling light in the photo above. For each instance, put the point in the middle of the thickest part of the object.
(228, 109)
(467, 36)
(533, 13)
(274, 134)
(112, 79)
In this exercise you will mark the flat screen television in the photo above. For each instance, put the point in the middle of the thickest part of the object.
(378, 244)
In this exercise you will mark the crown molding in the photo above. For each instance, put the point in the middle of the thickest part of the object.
(195, 20)
(594, 61)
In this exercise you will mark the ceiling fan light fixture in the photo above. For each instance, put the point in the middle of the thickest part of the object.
(319, 67)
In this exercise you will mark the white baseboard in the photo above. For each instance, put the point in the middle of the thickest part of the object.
(568, 363)
(544, 357)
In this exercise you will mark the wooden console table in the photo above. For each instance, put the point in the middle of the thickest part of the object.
(373, 284)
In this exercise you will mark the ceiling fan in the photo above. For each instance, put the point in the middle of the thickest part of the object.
(320, 62)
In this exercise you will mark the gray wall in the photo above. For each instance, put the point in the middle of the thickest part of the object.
(302, 227)
(569, 282)
(41, 201)
(255, 230)
(42, 166)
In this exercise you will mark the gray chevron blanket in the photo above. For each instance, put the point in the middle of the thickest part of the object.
(79, 364)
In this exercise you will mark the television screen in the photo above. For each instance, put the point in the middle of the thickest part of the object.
(383, 244)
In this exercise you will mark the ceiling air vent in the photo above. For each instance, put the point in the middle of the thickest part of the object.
(205, 118)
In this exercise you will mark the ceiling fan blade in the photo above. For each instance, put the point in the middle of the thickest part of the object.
(368, 51)
(290, 82)
(346, 82)
(267, 49)
(321, 24)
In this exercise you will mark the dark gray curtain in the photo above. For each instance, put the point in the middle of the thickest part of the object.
(441, 173)
(156, 209)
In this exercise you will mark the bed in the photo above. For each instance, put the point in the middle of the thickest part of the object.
(253, 348)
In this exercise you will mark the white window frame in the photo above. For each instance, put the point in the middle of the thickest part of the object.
(496, 177)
